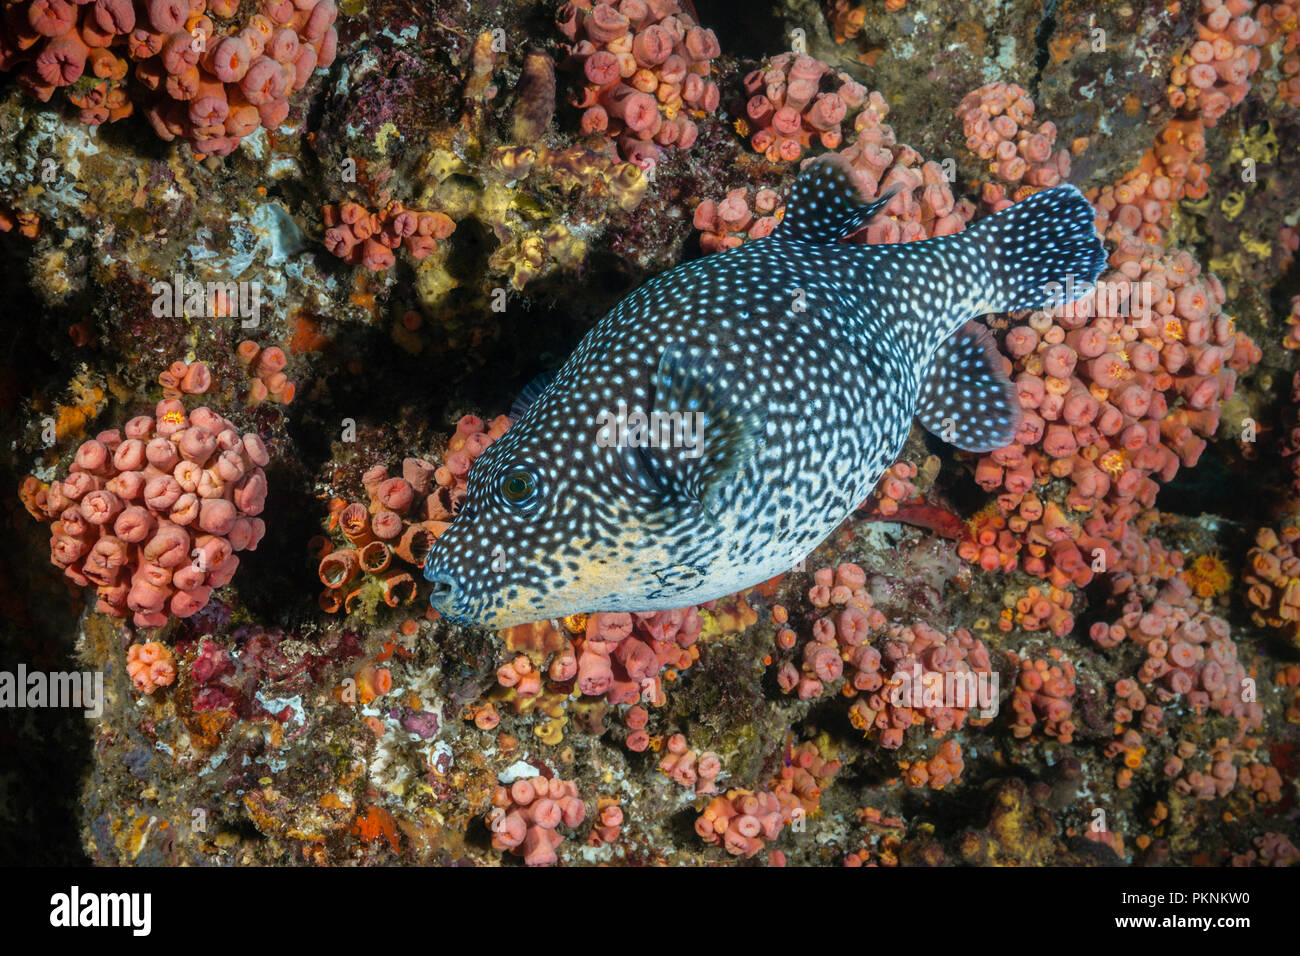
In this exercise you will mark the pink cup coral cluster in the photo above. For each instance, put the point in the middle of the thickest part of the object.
(400, 521)
(1214, 74)
(846, 19)
(27, 224)
(266, 366)
(989, 541)
(1190, 652)
(1220, 774)
(645, 64)
(1108, 538)
(997, 119)
(743, 821)
(901, 675)
(1143, 558)
(787, 109)
(1272, 578)
(526, 816)
(895, 487)
(153, 514)
(183, 378)
(471, 438)
(207, 71)
(1263, 781)
(924, 206)
(1220, 780)
(935, 772)
(729, 222)
(1141, 203)
(839, 636)
(374, 541)
(1292, 340)
(150, 666)
(1119, 391)
(1271, 849)
(920, 677)
(609, 822)
(1042, 696)
(522, 677)
(1282, 23)
(1040, 609)
(1287, 680)
(1288, 241)
(619, 657)
(687, 768)
(362, 237)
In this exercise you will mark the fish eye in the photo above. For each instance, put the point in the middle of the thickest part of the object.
(518, 486)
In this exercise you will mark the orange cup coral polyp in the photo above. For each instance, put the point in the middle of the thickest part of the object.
(150, 666)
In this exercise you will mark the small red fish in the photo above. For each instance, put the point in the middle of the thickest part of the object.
(921, 515)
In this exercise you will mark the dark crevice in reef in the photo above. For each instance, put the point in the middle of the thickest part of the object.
(1216, 486)
(52, 756)
(44, 752)
(1042, 37)
(747, 37)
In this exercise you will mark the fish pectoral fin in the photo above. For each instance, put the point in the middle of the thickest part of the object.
(966, 398)
(705, 429)
(826, 204)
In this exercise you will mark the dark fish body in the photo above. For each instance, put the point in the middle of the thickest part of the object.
(802, 361)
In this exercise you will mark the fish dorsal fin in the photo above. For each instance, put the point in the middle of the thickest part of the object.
(825, 204)
(966, 397)
(704, 434)
(532, 391)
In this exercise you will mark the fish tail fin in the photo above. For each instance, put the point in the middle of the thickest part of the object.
(1040, 253)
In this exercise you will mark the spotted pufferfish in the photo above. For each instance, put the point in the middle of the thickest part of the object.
(800, 359)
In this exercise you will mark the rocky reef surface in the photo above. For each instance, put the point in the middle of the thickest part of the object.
(275, 271)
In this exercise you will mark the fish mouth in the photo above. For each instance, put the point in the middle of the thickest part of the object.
(470, 607)
(445, 594)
